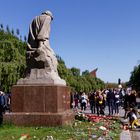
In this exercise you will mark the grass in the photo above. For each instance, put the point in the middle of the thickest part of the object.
(79, 130)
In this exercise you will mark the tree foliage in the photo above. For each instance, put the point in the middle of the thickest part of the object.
(12, 59)
(135, 78)
(86, 72)
(79, 83)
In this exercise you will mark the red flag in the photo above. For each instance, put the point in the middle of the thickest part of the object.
(93, 73)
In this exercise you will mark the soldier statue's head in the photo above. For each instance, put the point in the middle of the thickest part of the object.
(49, 13)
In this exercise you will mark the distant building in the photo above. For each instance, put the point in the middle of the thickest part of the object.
(93, 73)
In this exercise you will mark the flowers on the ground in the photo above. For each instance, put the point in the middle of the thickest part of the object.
(24, 137)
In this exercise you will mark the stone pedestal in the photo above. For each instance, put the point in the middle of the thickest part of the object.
(40, 105)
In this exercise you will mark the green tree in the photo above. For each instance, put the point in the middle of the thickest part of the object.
(12, 31)
(20, 37)
(12, 60)
(135, 78)
(25, 39)
(7, 29)
(1, 26)
(17, 32)
(75, 71)
(77, 82)
(86, 72)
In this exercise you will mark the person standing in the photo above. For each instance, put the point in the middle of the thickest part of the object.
(76, 100)
(1, 112)
(110, 101)
(84, 101)
(132, 100)
(126, 103)
(2, 105)
(117, 101)
(99, 103)
(92, 102)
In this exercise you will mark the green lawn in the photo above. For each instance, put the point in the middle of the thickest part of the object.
(79, 130)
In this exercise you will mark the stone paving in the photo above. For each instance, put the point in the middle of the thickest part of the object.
(125, 135)
(135, 135)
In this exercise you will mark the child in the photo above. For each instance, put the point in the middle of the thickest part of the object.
(133, 118)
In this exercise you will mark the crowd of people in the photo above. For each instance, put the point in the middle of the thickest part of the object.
(110, 99)
(98, 101)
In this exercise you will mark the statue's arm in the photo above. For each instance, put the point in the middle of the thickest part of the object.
(44, 32)
(30, 48)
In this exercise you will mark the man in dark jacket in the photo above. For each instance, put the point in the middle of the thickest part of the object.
(110, 101)
(2, 105)
(1, 109)
(92, 102)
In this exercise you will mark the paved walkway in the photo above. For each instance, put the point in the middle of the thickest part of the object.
(135, 135)
(125, 135)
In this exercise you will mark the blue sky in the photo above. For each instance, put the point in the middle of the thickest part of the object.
(87, 34)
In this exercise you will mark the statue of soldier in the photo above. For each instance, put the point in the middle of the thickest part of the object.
(40, 58)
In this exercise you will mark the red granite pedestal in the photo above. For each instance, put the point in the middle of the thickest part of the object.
(40, 105)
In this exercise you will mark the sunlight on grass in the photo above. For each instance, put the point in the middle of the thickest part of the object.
(77, 131)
